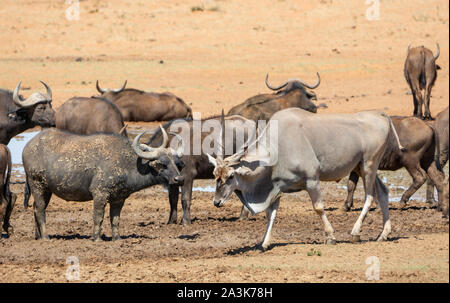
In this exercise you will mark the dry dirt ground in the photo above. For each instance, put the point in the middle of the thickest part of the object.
(215, 58)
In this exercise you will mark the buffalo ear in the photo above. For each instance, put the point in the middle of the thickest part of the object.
(243, 171)
(212, 160)
(438, 67)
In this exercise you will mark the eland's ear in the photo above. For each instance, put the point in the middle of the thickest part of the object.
(212, 160)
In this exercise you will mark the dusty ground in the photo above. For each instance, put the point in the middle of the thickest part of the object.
(214, 59)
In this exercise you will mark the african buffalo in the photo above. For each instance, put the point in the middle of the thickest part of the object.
(137, 105)
(7, 199)
(90, 115)
(106, 168)
(292, 93)
(18, 115)
(441, 126)
(418, 159)
(196, 166)
(310, 148)
(420, 73)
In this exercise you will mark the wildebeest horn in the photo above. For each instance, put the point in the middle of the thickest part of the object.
(438, 51)
(150, 153)
(120, 89)
(309, 86)
(33, 99)
(274, 88)
(100, 90)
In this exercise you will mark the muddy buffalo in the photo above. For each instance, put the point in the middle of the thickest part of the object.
(420, 73)
(106, 168)
(18, 114)
(90, 115)
(137, 105)
(418, 159)
(292, 93)
(7, 199)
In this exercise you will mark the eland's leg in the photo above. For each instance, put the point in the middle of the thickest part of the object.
(351, 186)
(244, 213)
(313, 188)
(382, 194)
(271, 213)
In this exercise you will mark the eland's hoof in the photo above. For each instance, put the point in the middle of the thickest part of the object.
(356, 238)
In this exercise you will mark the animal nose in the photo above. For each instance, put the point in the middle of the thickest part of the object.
(179, 180)
(217, 203)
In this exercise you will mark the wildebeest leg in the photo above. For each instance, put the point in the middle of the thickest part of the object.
(186, 198)
(39, 206)
(419, 177)
(438, 178)
(244, 213)
(430, 192)
(99, 212)
(382, 194)
(114, 217)
(173, 200)
(351, 186)
(427, 93)
(417, 99)
(313, 188)
(271, 213)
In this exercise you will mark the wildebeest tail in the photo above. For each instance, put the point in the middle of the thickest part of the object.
(26, 194)
(394, 132)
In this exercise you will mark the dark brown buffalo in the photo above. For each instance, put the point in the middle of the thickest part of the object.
(441, 126)
(18, 114)
(7, 199)
(90, 115)
(418, 159)
(420, 73)
(292, 93)
(198, 166)
(137, 105)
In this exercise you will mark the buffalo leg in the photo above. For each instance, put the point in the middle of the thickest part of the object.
(99, 213)
(351, 186)
(427, 93)
(313, 188)
(173, 200)
(114, 217)
(271, 213)
(419, 178)
(438, 178)
(430, 192)
(6, 223)
(186, 198)
(41, 201)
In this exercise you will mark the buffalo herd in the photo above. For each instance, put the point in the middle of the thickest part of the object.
(81, 156)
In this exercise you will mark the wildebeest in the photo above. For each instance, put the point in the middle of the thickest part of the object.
(420, 73)
(137, 105)
(106, 168)
(196, 166)
(7, 199)
(90, 115)
(440, 124)
(418, 159)
(18, 114)
(311, 148)
(292, 93)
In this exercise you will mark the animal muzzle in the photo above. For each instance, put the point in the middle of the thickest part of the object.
(219, 203)
(177, 180)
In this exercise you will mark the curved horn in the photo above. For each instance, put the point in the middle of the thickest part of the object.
(309, 86)
(407, 50)
(150, 153)
(120, 89)
(180, 149)
(438, 52)
(49, 91)
(275, 88)
(100, 90)
(33, 99)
